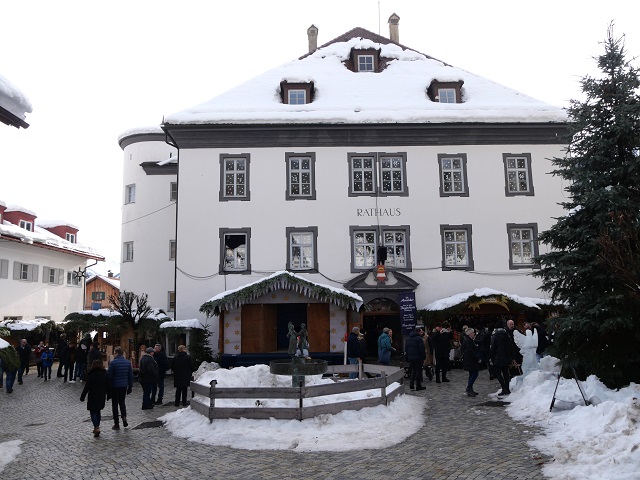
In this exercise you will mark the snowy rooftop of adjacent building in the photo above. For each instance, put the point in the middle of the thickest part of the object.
(149, 130)
(398, 94)
(457, 299)
(13, 100)
(113, 281)
(56, 223)
(28, 325)
(191, 323)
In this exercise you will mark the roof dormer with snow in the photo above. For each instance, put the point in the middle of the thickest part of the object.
(61, 228)
(20, 216)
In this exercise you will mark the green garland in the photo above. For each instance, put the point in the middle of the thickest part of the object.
(284, 281)
(10, 360)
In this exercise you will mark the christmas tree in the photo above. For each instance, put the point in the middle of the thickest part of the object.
(593, 265)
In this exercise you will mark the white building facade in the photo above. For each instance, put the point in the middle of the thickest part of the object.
(361, 154)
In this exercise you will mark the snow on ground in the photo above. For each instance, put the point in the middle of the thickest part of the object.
(598, 441)
(8, 452)
(339, 432)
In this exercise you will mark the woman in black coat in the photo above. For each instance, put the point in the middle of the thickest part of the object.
(182, 371)
(98, 389)
(470, 359)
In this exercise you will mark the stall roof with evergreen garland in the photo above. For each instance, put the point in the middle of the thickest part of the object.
(192, 323)
(281, 280)
(26, 325)
(461, 298)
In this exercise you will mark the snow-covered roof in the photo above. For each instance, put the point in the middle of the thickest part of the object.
(191, 323)
(113, 281)
(102, 312)
(2, 204)
(42, 236)
(459, 298)
(13, 100)
(149, 130)
(282, 280)
(28, 325)
(55, 223)
(398, 94)
(14, 207)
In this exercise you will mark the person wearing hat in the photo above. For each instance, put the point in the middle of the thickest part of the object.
(121, 375)
(148, 377)
(353, 350)
(81, 362)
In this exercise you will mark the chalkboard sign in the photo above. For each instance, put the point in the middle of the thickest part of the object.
(408, 310)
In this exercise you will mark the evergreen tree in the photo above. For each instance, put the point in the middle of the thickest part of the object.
(594, 264)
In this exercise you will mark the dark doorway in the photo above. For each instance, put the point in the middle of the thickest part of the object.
(373, 325)
(295, 313)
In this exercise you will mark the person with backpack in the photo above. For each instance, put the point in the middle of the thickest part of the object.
(47, 362)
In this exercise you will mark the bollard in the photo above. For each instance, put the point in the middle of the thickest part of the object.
(212, 398)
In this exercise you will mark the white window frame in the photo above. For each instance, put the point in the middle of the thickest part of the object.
(518, 244)
(25, 272)
(366, 63)
(234, 178)
(52, 276)
(296, 96)
(517, 166)
(127, 252)
(370, 174)
(447, 95)
(71, 237)
(172, 249)
(130, 194)
(73, 280)
(453, 238)
(26, 225)
(302, 243)
(237, 259)
(173, 191)
(171, 301)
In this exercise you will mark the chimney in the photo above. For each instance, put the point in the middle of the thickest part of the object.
(110, 274)
(312, 33)
(394, 34)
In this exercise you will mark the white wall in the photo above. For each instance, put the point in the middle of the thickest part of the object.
(39, 299)
(149, 223)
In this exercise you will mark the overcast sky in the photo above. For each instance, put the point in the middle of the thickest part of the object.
(94, 69)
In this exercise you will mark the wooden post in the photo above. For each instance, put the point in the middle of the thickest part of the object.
(212, 399)
(383, 390)
(300, 405)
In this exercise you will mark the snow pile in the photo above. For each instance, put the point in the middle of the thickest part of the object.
(204, 367)
(9, 451)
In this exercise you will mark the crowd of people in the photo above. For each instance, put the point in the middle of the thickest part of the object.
(83, 362)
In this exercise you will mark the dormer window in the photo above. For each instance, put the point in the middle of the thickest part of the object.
(26, 225)
(365, 63)
(364, 60)
(445, 92)
(296, 93)
(71, 238)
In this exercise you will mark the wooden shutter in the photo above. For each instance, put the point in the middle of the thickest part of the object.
(17, 266)
(46, 271)
(60, 276)
(318, 327)
(32, 275)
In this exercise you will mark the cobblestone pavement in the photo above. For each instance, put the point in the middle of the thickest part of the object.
(462, 439)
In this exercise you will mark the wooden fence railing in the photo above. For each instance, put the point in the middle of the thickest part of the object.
(388, 375)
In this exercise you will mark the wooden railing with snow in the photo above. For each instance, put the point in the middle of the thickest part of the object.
(388, 375)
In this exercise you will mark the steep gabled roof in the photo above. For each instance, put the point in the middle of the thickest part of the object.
(395, 95)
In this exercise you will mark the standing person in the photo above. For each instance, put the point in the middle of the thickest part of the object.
(441, 347)
(163, 365)
(98, 389)
(470, 359)
(384, 347)
(81, 362)
(428, 351)
(38, 353)
(515, 351)
(121, 376)
(353, 350)
(416, 355)
(148, 377)
(10, 365)
(94, 353)
(69, 360)
(182, 371)
(61, 345)
(47, 362)
(24, 354)
(362, 348)
(501, 358)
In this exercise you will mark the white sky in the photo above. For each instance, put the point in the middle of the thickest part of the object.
(92, 71)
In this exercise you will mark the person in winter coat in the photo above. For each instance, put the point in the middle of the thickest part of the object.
(121, 377)
(148, 377)
(428, 351)
(353, 350)
(414, 349)
(470, 359)
(24, 353)
(98, 390)
(441, 340)
(69, 361)
(384, 347)
(163, 365)
(38, 354)
(182, 371)
(81, 362)
(501, 357)
(62, 344)
(47, 362)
